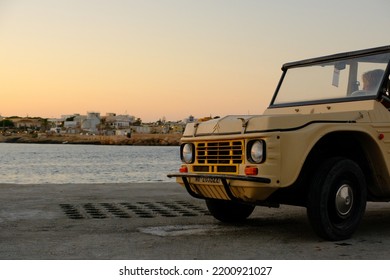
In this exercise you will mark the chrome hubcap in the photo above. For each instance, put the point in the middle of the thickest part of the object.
(344, 200)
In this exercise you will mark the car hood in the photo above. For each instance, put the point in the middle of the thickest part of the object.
(265, 123)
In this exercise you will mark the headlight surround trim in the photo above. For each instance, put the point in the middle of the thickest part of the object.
(187, 153)
(256, 151)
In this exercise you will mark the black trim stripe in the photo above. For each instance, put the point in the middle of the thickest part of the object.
(298, 127)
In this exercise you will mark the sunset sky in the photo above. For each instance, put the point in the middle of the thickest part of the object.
(175, 58)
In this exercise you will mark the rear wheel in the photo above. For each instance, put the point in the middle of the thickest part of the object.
(229, 211)
(337, 199)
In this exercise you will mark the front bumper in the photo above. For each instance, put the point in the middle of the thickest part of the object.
(223, 178)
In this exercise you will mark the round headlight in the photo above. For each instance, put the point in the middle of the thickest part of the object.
(256, 151)
(187, 153)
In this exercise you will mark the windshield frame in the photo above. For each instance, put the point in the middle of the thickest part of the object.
(380, 94)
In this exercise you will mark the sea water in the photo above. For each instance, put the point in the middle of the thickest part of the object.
(66, 163)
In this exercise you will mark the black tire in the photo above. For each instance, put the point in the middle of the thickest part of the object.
(337, 199)
(228, 211)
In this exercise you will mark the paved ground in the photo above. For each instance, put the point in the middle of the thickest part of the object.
(161, 221)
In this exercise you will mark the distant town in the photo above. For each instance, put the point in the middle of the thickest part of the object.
(91, 124)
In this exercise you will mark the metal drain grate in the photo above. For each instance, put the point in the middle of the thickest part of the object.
(140, 209)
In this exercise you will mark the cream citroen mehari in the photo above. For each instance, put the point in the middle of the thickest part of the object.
(323, 143)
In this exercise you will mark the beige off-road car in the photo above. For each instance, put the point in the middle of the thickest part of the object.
(323, 143)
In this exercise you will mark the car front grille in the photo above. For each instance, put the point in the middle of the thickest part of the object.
(225, 152)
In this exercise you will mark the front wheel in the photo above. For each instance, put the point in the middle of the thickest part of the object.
(337, 199)
(229, 211)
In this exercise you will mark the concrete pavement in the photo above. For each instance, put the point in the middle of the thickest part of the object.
(161, 221)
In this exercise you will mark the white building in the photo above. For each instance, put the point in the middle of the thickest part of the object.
(91, 122)
(119, 121)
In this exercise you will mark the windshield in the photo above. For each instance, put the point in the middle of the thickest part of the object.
(338, 79)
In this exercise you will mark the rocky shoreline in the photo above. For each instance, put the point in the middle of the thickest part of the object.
(136, 139)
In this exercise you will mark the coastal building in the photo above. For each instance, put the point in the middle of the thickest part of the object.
(142, 129)
(27, 123)
(118, 121)
(91, 122)
(72, 123)
(72, 127)
(54, 122)
(176, 127)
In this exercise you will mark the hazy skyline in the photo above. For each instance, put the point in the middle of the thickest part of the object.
(156, 58)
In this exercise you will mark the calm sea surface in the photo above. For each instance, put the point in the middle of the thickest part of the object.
(62, 164)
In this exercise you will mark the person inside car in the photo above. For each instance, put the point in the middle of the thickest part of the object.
(371, 80)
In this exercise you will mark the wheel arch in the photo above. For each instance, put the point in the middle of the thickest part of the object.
(357, 146)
